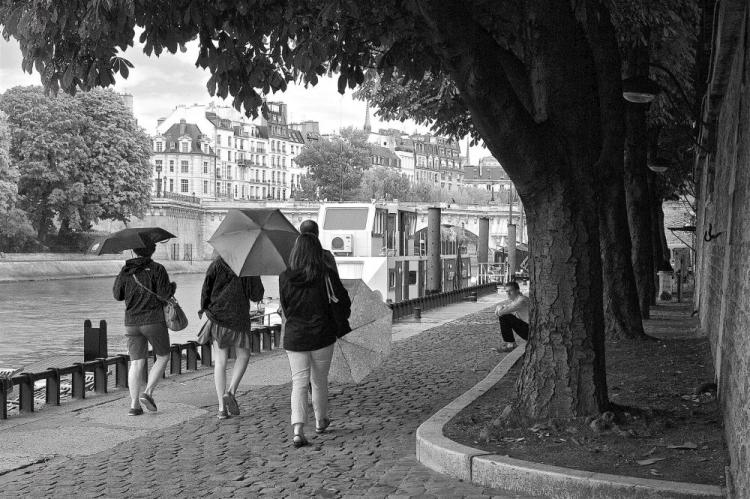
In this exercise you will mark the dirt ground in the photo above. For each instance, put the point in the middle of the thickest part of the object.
(665, 431)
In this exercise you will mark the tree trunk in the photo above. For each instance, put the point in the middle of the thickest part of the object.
(638, 204)
(622, 312)
(567, 338)
(659, 239)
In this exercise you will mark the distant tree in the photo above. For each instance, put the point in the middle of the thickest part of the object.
(335, 166)
(16, 231)
(384, 183)
(80, 158)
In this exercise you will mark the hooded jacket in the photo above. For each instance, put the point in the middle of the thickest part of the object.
(225, 298)
(140, 306)
(309, 322)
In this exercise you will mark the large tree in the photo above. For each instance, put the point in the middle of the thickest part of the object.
(16, 232)
(531, 78)
(80, 159)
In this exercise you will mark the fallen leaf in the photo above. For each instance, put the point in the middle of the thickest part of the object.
(686, 445)
(646, 462)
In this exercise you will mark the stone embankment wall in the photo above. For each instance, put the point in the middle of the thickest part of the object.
(723, 269)
(45, 266)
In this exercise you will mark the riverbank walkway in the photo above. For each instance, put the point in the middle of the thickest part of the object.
(92, 448)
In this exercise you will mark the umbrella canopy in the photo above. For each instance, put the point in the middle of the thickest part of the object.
(367, 346)
(255, 241)
(125, 239)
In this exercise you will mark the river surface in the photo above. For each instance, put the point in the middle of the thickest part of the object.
(40, 319)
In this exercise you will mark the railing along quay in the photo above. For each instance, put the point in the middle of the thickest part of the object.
(263, 338)
(415, 306)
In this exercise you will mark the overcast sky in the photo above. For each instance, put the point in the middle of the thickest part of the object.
(160, 84)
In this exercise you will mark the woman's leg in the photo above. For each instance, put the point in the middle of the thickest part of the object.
(320, 365)
(156, 374)
(158, 336)
(299, 365)
(238, 371)
(138, 351)
(220, 356)
(135, 381)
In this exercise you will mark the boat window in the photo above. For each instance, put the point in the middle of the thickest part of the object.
(346, 219)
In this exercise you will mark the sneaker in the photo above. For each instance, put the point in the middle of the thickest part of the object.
(135, 412)
(231, 404)
(222, 414)
(148, 402)
(322, 425)
(508, 347)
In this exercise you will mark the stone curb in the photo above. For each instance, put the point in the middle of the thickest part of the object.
(443, 455)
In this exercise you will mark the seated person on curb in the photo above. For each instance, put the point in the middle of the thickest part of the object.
(514, 316)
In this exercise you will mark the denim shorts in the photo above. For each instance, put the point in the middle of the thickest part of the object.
(138, 338)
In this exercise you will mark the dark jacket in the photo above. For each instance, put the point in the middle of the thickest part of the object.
(330, 261)
(309, 323)
(225, 298)
(142, 307)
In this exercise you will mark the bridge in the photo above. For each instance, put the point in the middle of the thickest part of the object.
(193, 220)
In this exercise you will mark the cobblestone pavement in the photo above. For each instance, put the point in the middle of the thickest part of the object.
(369, 450)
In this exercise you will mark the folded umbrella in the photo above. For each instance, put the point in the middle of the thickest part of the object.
(368, 345)
(255, 241)
(131, 238)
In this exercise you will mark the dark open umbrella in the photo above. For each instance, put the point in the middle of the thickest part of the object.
(255, 241)
(125, 239)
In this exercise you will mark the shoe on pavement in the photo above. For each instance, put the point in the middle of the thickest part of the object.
(222, 414)
(322, 425)
(135, 411)
(148, 402)
(231, 404)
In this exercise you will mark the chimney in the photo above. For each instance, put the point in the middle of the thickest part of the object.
(128, 99)
(183, 125)
(160, 121)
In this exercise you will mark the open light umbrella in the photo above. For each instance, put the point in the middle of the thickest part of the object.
(131, 238)
(255, 241)
(369, 343)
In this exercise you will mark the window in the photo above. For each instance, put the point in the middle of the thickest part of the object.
(171, 185)
(158, 164)
(171, 166)
(184, 185)
(218, 140)
(346, 218)
(205, 167)
(205, 187)
(184, 168)
(159, 146)
(229, 155)
(183, 147)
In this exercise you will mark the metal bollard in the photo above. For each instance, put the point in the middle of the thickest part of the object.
(266, 346)
(78, 380)
(175, 359)
(52, 387)
(255, 341)
(26, 393)
(121, 371)
(6, 385)
(276, 328)
(206, 355)
(417, 313)
(100, 376)
(192, 355)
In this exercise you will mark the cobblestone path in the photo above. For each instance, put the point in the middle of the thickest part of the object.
(369, 450)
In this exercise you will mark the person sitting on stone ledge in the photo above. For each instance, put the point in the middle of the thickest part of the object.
(513, 315)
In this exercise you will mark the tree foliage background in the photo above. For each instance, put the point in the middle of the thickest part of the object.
(16, 232)
(79, 159)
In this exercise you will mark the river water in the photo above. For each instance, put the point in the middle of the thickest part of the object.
(40, 319)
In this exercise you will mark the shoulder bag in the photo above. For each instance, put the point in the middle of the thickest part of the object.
(340, 316)
(173, 313)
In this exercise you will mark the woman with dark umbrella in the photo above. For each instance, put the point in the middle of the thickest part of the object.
(136, 284)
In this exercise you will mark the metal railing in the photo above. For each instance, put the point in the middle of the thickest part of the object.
(263, 338)
(415, 306)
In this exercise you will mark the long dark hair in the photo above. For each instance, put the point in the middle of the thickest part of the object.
(307, 256)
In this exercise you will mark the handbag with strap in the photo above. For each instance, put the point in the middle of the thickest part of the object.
(173, 313)
(339, 313)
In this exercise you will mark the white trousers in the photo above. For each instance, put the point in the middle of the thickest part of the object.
(310, 368)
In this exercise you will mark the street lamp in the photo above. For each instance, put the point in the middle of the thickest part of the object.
(158, 181)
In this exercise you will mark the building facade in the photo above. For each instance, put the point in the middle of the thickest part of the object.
(214, 152)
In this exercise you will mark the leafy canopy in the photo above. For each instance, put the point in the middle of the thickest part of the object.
(79, 159)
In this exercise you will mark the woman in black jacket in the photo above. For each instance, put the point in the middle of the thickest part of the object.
(309, 330)
(225, 299)
(144, 322)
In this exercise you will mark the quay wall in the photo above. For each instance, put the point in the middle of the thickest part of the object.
(40, 270)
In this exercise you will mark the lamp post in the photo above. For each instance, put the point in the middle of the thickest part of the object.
(158, 181)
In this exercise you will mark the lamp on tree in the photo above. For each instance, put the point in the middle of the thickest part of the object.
(640, 89)
(659, 165)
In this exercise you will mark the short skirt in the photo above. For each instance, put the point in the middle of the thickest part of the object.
(226, 337)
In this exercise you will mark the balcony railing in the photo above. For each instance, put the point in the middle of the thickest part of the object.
(179, 197)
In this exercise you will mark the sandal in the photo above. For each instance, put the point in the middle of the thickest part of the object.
(231, 404)
(222, 414)
(322, 425)
(299, 441)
